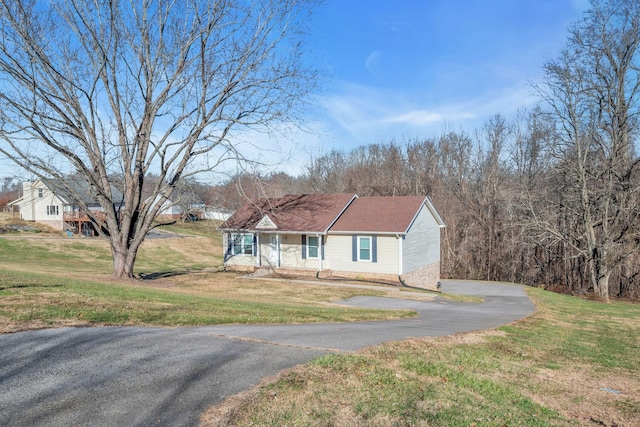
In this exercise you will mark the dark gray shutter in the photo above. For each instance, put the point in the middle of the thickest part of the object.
(322, 247)
(254, 249)
(374, 249)
(229, 244)
(304, 246)
(354, 248)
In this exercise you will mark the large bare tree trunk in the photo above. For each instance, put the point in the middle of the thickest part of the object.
(110, 93)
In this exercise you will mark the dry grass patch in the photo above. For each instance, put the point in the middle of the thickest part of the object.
(32, 301)
(267, 290)
(603, 397)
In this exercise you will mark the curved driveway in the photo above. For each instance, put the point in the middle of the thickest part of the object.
(132, 376)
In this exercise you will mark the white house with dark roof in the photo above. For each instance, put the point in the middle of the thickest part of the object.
(338, 235)
(41, 202)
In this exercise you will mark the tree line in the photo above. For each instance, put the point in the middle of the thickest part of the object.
(502, 196)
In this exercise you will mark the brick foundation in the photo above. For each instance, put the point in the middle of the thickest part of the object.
(426, 277)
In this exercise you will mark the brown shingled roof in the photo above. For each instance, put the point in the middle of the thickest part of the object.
(293, 213)
(379, 214)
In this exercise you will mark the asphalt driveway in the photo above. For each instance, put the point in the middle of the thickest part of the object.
(131, 376)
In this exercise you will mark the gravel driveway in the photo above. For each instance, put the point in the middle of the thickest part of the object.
(132, 376)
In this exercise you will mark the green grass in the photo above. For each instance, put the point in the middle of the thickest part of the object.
(546, 370)
(66, 281)
(28, 297)
(604, 335)
(93, 256)
(207, 228)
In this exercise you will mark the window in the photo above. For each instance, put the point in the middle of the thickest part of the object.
(241, 244)
(53, 210)
(364, 248)
(40, 192)
(313, 244)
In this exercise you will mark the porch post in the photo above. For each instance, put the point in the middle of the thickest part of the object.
(400, 237)
(259, 260)
(320, 249)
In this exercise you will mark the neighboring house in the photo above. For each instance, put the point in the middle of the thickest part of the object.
(218, 214)
(182, 206)
(340, 235)
(39, 203)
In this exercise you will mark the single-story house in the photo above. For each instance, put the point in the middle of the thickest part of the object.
(43, 204)
(338, 235)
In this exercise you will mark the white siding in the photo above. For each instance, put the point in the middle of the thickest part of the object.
(421, 245)
(34, 207)
(339, 255)
(291, 253)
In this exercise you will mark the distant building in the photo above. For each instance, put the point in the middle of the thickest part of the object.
(42, 204)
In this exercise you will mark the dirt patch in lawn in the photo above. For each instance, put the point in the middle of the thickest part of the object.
(604, 397)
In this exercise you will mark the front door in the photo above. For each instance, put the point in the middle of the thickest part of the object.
(273, 251)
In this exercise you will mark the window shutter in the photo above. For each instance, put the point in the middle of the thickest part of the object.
(304, 247)
(354, 248)
(374, 249)
(322, 247)
(229, 244)
(254, 249)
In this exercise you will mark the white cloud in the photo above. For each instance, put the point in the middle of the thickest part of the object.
(423, 117)
(358, 115)
(371, 62)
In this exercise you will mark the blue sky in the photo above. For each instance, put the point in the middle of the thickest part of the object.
(407, 69)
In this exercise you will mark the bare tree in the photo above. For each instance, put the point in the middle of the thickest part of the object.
(114, 91)
(592, 90)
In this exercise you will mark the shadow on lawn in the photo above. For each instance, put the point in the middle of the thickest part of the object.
(175, 273)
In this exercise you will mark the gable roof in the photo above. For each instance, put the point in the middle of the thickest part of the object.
(68, 190)
(383, 214)
(307, 213)
(77, 189)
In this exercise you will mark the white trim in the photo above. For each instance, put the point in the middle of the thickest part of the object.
(318, 253)
(320, 250)
(400, 238)
(363, 233)
(370, 239)
(258, 251)
(266, 224)
(326, 230)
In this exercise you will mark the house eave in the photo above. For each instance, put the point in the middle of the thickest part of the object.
(16, 202)
(270, 231)
(362, 232)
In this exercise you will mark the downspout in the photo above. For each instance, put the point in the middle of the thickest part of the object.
(400, 279)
